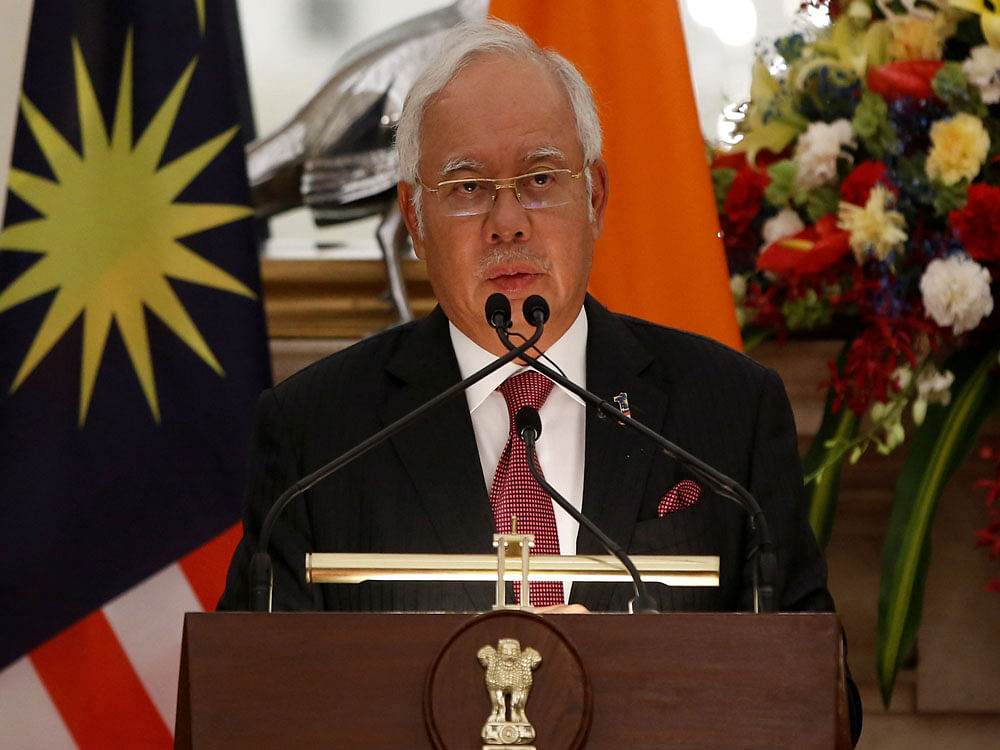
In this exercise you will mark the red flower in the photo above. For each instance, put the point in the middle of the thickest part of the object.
(744, 198)
(990, 536)
(738, 159)
(977, 224)
(810, 251)
(905, 78)
(859, 183)
(732, 160)
(872, 358)
(742, 204)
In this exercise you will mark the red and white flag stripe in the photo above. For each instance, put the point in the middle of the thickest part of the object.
(110, 680)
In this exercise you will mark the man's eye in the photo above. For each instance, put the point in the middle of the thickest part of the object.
(541, 179)
(468, 188)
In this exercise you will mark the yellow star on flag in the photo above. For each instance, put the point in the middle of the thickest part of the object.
(109, 232)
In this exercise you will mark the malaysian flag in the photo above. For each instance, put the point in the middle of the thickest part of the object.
(133, 349)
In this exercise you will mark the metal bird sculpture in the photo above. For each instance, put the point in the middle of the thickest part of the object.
(336, 154)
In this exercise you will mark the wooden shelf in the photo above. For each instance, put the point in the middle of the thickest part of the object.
(336, 299)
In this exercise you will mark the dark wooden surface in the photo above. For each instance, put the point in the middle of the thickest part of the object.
(357, 680)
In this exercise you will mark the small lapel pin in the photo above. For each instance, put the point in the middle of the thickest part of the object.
(621, 400)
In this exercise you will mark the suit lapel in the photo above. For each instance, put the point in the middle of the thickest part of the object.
(439, 451)
(618, 459)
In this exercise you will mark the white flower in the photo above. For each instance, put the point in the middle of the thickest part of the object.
(982, 68)
(817, 151)
(738, 286)
(956, 292)
(934, 385)
(783, 224)
(902, 376)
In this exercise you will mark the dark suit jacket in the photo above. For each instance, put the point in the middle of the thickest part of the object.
(423, 490)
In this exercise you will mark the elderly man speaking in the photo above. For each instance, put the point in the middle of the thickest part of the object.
(504, 190)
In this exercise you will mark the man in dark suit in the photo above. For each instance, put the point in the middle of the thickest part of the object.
(504, 190)
(492, 105)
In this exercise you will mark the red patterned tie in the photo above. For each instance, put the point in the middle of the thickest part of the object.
(515, 492)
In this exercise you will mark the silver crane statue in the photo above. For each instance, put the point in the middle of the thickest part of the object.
(336, 154)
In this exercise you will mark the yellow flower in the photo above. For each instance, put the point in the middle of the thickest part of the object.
(959, 147)
(917, 38)
(989, 17)
(876, 228)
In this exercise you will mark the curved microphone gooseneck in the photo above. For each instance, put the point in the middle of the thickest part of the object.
(261, 572)
(762, 554)
(529, 429)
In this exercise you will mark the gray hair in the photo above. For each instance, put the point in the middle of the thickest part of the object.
(461, 45)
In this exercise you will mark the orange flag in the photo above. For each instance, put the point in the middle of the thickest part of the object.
(660, 257)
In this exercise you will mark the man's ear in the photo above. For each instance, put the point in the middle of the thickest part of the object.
(598, 195)
(404, 194)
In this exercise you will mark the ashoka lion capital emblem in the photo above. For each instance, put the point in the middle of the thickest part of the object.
(508, 682)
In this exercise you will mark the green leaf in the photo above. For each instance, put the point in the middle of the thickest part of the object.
(871, 123)
(806, 312)
(949, 198)
(951, 86)
(939, 447)
(754, 337)
(722, 180)
(790, 47)
(782, 186)
(834, 431)
(822, 201)
(772, 121)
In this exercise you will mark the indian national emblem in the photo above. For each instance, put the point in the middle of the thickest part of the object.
(508, 682)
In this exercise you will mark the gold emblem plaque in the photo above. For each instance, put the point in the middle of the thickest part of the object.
(489, 667)
(508, 683)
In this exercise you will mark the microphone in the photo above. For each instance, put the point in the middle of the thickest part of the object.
(535, 310)
(528, 425)
(761, 547)
(498, 311)
(261, 572)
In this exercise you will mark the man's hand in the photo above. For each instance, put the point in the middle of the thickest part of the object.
(562, 609)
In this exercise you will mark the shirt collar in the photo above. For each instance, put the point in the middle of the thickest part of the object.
(569, 352)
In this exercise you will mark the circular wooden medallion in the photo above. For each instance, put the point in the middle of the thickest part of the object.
(457, 703)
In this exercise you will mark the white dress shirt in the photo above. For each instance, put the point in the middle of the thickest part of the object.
(563, 415)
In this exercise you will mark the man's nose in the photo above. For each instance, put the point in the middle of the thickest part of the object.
(508, 220)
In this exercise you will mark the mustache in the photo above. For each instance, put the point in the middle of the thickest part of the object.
(510, 254)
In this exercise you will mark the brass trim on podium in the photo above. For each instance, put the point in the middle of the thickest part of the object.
(672, 570)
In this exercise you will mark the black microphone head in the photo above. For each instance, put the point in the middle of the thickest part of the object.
(527, 419)
(535, 310)
(498, 311)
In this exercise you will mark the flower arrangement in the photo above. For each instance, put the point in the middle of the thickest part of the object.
(864, 200)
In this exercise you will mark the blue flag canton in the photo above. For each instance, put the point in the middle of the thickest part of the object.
(129, 290)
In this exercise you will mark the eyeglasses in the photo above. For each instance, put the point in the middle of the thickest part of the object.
(545, 188)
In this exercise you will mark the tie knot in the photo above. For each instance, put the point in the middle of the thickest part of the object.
(528, 388)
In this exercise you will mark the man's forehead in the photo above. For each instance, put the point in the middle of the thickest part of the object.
(497, 114)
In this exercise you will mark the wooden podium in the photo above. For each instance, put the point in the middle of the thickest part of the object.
(340, 680)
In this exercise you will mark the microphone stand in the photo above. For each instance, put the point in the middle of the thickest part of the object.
(261, 572)
(762, 554)
(529, 429)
